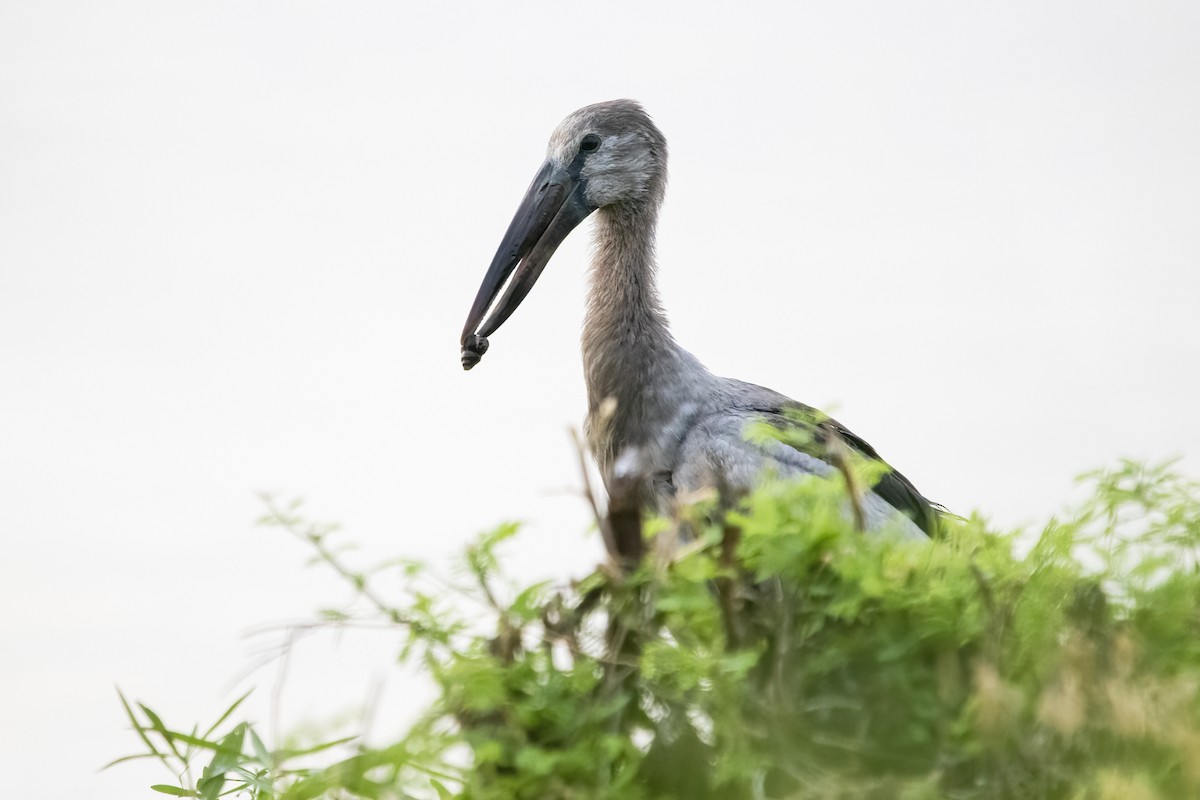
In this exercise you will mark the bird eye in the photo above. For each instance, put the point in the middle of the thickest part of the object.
(590, 143)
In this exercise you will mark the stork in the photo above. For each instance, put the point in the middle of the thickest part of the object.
(659, 424)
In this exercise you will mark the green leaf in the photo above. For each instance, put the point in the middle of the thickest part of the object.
(282, 754)
(161, 729)
(210, 788)
(260, 750)
(527, 604)
(195, 741)
(225, 716)
(226, 757)
(141, 731)
(333, 615)
(123, 759)
(173, 790)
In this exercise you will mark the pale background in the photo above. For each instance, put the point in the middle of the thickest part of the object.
(238, 241)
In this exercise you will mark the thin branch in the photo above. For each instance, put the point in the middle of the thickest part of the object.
(606, 533)
(313, 536)
(839, 453)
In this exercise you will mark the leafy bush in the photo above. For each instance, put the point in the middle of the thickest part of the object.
(781, 653)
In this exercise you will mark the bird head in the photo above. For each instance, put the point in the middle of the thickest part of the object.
(603, 156)
(622, 155)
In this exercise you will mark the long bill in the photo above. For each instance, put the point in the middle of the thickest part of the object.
(552, 207)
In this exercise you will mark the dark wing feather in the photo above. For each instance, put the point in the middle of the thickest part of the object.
(897, 490)
(893, 487)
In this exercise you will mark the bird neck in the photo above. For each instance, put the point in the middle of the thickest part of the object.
(630, 358)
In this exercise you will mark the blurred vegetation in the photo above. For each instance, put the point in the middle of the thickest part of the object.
(778, 653)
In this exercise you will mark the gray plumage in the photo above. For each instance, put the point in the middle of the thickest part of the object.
(659, 424)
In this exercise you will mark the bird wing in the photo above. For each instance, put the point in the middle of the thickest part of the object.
(809, 434)
(819, 438)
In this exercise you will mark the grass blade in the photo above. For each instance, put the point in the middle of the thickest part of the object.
(162, 731)
(225, 716)
(141, 731)
(315, 748)
(123, 759)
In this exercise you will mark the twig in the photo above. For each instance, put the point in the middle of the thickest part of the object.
(610, 542)
(839, 454)
(729, 585)
(315, 536)
(285, 658)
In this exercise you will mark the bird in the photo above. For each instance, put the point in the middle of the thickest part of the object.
(659, 425)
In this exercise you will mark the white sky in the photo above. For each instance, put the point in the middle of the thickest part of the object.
(238, 241)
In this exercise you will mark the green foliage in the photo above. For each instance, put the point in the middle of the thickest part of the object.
(782, 653)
